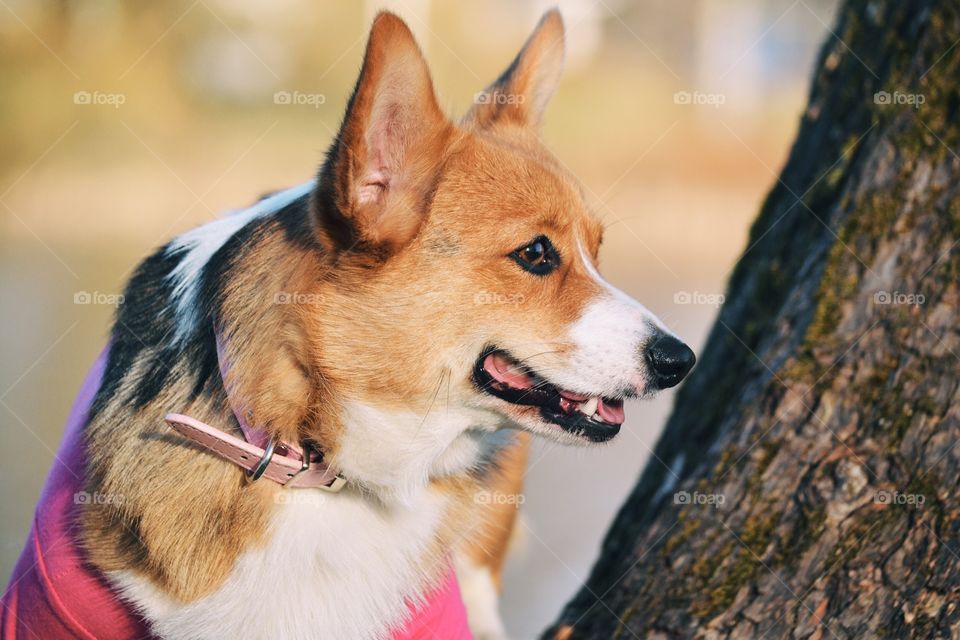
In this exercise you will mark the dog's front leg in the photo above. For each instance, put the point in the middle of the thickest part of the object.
(479, 562)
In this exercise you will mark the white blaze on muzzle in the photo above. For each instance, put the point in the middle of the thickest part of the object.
(610, 339)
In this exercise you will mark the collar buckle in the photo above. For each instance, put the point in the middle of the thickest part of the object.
(257, 472)
(305, 452)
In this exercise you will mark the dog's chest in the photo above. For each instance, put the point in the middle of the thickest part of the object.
(334, 566)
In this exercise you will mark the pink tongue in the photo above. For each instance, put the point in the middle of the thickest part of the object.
(503, 371)
(612, 414)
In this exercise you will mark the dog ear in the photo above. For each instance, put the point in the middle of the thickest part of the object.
(521, 94)
(378, 175)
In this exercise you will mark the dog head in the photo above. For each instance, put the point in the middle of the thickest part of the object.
(465, 257)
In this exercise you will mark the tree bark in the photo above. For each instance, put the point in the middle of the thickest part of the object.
(806, 483)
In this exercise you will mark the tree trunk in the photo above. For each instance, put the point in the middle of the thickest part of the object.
(811, 488)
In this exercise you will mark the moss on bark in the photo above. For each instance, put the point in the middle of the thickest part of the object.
(841, 324)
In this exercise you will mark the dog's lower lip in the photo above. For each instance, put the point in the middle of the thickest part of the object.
(502, 376)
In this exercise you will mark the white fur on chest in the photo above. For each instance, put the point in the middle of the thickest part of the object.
(334, 566)
(394, 454)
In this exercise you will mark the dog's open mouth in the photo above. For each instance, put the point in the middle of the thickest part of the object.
(596, 418)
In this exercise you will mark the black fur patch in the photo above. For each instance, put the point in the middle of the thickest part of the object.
(147, 320)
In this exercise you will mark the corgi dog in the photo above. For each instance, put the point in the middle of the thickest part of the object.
(301, 402)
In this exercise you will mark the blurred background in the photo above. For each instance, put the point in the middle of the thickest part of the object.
(125, 123)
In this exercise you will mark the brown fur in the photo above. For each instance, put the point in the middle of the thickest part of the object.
(415, 216)
(491, 540)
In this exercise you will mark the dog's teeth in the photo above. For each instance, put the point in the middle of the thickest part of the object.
(589, 407)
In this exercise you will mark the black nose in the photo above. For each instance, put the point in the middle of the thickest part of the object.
(670, 361)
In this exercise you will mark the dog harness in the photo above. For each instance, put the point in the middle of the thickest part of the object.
(54, 594)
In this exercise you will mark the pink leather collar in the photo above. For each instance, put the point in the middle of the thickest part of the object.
(262, 456)
(285, 464)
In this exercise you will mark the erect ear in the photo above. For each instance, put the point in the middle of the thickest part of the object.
(377, 178)
(521, 94)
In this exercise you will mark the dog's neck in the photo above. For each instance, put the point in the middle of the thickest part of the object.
(395, 454)
(391, 454)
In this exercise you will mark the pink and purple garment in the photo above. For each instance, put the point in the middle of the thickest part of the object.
(54, 594)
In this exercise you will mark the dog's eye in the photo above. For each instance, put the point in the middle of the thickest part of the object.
(538, 257)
